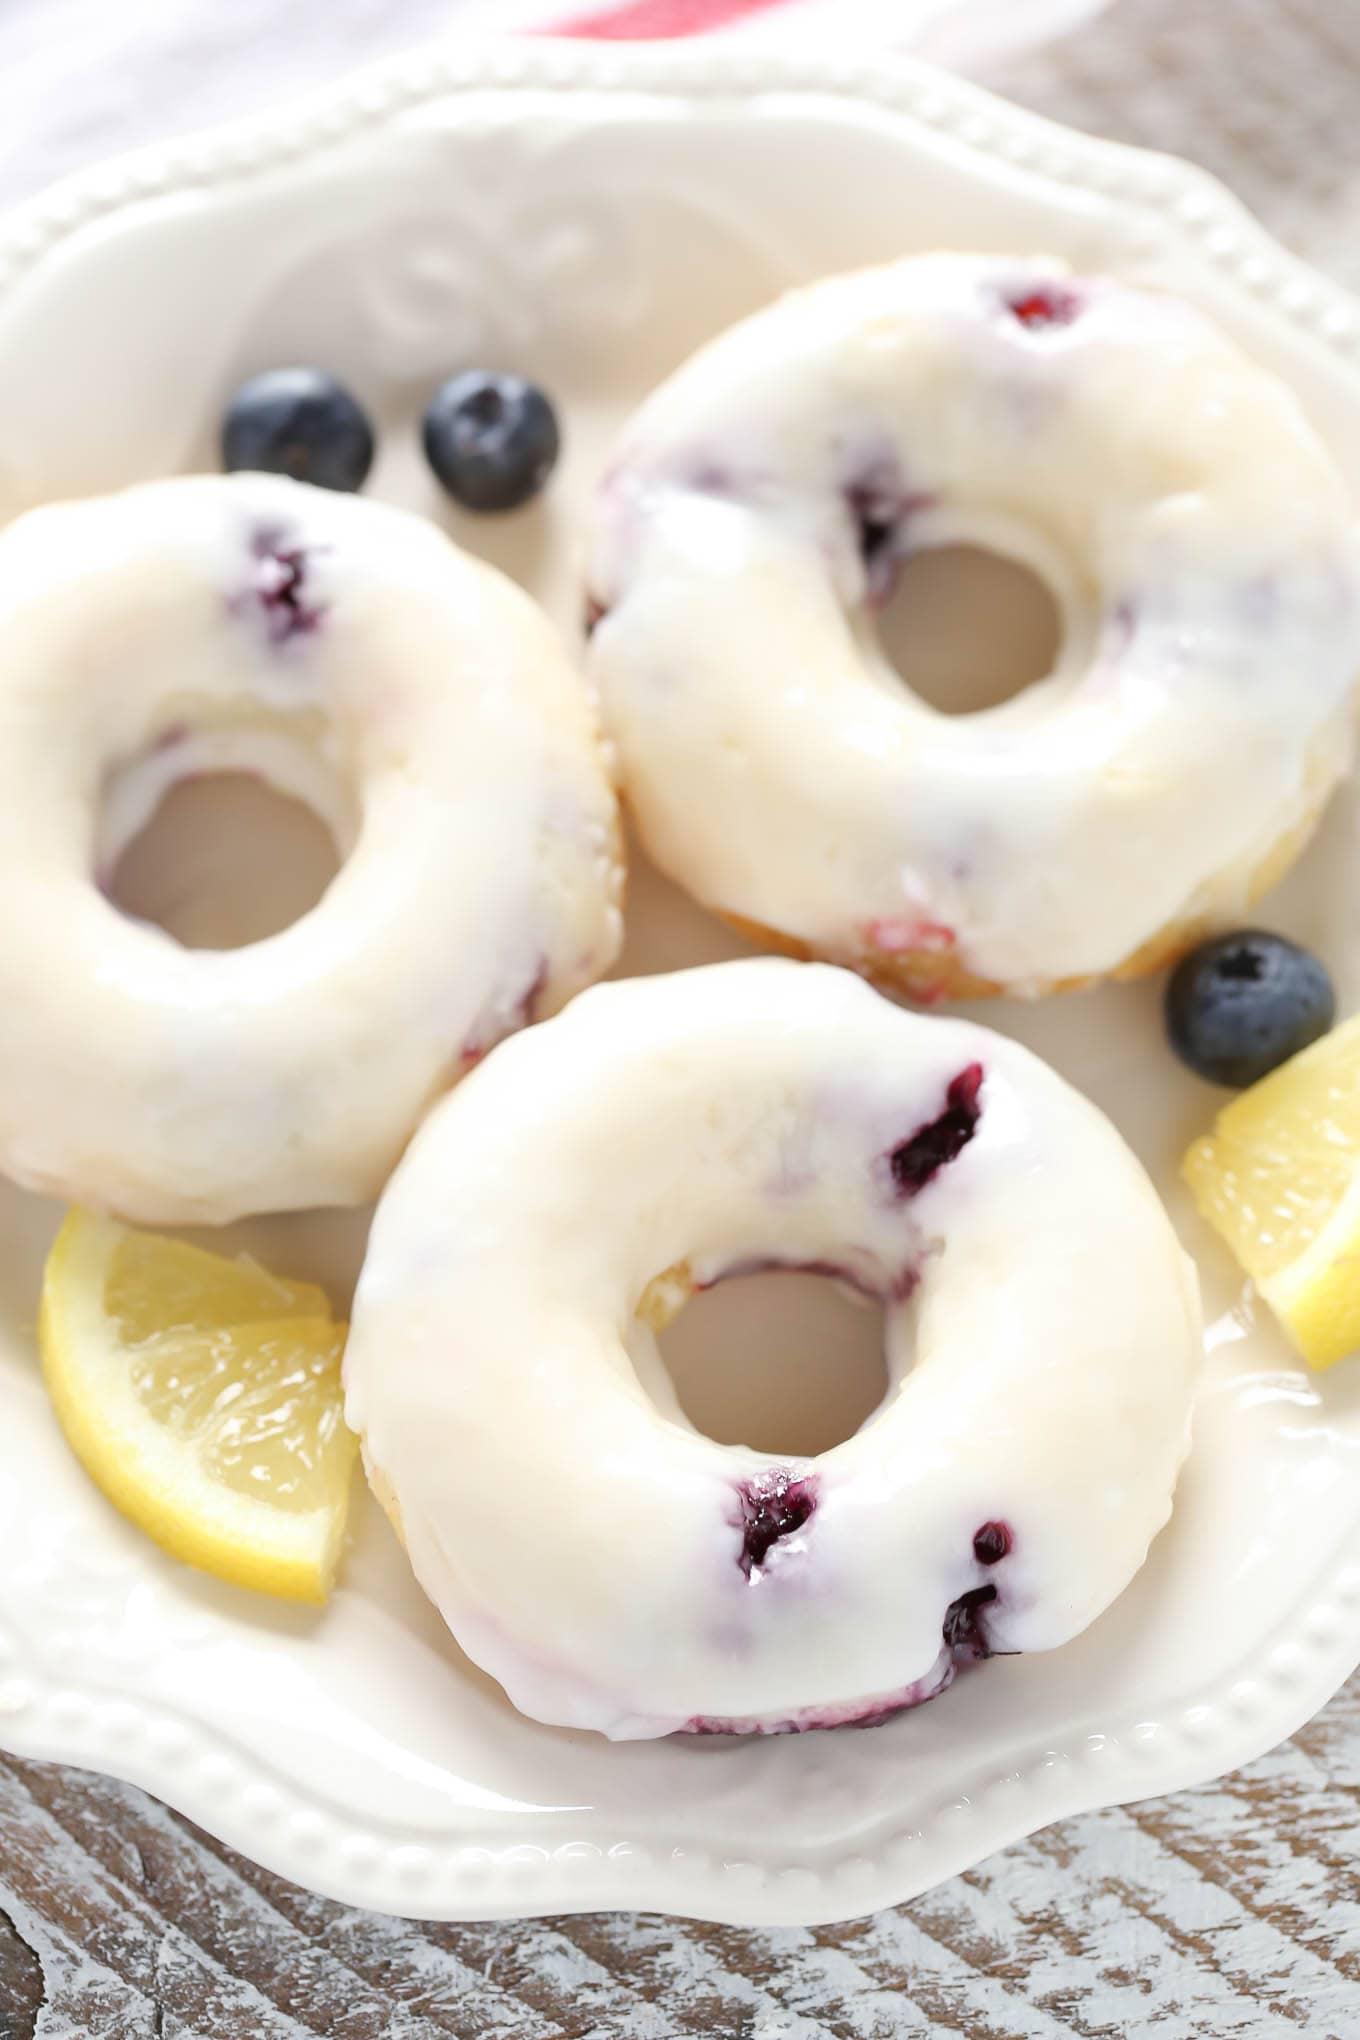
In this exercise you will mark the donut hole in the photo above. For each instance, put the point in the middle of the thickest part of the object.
(225, 860)
(783, 1362)
(967, 628)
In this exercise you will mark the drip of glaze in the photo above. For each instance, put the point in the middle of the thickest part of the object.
(963, 1629)
(869, 1713)
(771, 1264)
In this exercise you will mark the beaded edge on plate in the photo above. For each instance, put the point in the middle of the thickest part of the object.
(251, 1804)
(1191, 200)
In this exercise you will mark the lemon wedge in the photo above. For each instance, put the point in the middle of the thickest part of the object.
(1279, 1179)
(203, 1396)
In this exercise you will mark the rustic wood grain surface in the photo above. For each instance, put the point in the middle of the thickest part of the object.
(1229, 1911)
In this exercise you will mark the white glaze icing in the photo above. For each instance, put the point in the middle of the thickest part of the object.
(1197, 537)
(416, 699)
(591, 1550)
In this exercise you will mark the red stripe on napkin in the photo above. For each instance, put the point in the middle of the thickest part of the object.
(657, 20)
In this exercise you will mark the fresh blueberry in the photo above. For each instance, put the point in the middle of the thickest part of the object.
(299, 422)
(1239, 1006)
(492, 440)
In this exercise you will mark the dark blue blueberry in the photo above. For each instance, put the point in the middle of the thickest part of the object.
(492, 440)
(299, 422)
(1239, 1006)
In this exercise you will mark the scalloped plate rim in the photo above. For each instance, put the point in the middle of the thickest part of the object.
(96, 1731)
(917, 92)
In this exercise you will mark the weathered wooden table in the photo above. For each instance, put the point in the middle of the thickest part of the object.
(1233, 1910)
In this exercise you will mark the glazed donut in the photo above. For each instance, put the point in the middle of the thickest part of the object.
(348, 653)
(1195, 534)
(616, 1570)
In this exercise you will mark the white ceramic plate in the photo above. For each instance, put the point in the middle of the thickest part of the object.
(590, 214)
